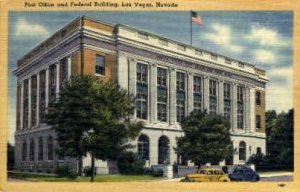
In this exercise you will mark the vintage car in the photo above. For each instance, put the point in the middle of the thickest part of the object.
(207, 175)
(243, 173)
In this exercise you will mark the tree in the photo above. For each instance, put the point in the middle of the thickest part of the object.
(10, 156)
(93, 116)
(206, 139)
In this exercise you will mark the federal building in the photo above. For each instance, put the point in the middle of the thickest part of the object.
(169, 79)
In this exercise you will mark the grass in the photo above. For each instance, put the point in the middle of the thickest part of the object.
(98, 178)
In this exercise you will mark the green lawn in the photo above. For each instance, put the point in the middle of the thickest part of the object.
(98, 178)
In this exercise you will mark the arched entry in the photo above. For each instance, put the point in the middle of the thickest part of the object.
(163, 150)
(242, 151)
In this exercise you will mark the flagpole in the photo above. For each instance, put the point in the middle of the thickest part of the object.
(191, 28)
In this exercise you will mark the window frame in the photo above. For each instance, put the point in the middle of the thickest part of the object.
(100, 66)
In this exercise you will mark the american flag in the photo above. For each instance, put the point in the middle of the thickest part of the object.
(196, 18)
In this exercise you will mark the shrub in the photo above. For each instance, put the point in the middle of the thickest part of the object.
(130, 163)
(157, 172)
(87, 171)
(65, 171)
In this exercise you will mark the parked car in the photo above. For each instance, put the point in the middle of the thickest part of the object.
(207, 175)
(243, 173)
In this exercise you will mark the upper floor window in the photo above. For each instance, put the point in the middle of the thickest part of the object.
(63, 71)
(213, 57)
(142, 73)
(198, 52)
(143, 36)
(226, 91)
(242, 65)
(181, 47)
(212, 88)
(240, 93)
(180, 81)
(161, 77)
(197, 84)
(100, 65)
(163, 42)
(227, 61)
(257, 98)
(258, 121)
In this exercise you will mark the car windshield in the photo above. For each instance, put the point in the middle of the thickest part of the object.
(202, 171)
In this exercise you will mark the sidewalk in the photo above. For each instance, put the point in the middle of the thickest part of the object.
(276, 174)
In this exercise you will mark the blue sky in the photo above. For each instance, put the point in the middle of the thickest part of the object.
(261, 38)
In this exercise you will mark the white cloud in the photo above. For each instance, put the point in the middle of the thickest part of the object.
(222, 35)
(279, 96)
(267, 37)
(283, 72)
(264, 56)
(25, 28)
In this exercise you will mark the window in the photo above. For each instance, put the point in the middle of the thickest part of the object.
(143, 147)
(258, 121)
(213, 57)
(52, 83)
(258, 150)
(242, 151)
(240, 107)
(33, 99)
(197, 93)
(198, 52)
(42, 100)
(181, 47)
(227, 102)
(242, 65)
(212, 96)
(142, 91)
(257, 98)
(25, 104)
(163, 150)
(162, 95)
(163, 42)
(100, 65)
(41, 149)
(18, 107)
(63, 76)
(227, 61)
(143, 36)
(31, 150)
(24, 151)
(50, 148)
(180, 96)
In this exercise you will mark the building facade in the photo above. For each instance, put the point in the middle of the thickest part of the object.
(170, 79)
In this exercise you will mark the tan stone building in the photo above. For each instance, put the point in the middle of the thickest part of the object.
(170, 79)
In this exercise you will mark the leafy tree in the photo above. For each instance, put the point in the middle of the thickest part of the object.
(93, 116)
(206, 139)
(10, 156)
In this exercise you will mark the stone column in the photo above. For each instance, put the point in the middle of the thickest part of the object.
(132, 78)
(190, 93)
(206, 94)
(234, 107)
(172, 96)
(37, 99)
(153, 93)
(252, 110)
(153, 149)
(247, 109)
(221, 97)
(69, 61)
(21, 105)
(29, 103)
(57, 79)
(47, 88)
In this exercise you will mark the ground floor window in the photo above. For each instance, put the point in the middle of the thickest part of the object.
(50, 148)
(24, 151)
(163, 150)
(31, 154)
(143, 147)
(41, 149)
